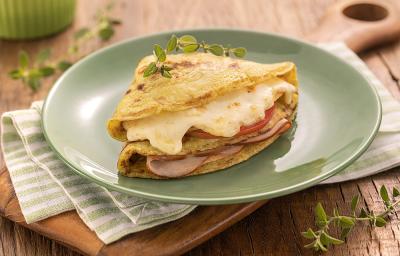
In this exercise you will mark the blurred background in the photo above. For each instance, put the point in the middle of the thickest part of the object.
(139, 17)
(65, 18)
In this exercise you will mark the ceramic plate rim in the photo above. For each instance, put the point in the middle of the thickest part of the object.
(216, 200)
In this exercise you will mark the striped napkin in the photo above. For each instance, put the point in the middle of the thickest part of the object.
(384, 152)
(46, 187)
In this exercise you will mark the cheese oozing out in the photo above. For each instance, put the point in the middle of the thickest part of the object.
(222, 117)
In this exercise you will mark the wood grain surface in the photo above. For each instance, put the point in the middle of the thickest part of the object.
(275, 228)
(172, 238)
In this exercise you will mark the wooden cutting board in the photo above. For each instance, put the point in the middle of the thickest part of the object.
(181, 235)
(171, 238)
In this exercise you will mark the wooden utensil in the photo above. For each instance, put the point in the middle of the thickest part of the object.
(360, 24)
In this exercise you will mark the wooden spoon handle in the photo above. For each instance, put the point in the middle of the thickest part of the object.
(361, 24)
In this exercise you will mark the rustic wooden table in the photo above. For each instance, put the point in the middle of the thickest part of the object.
(274, 228)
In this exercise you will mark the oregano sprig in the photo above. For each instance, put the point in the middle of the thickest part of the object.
(103, 29)
(31, 76)
(186, 44)
(321, 237)
(31, 71)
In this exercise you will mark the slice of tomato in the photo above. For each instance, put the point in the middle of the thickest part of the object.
(243, 130)
(259, 125)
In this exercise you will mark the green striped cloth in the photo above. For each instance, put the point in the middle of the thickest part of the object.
(384, 152)
(46, 187)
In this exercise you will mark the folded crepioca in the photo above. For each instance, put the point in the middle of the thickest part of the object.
(213, 113)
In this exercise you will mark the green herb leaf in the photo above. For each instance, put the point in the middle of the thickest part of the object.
(47, 71)
(309, 234)
(239, 52)
(23, 59)
(396, 192)
(167, 68)
(331, 239)
(34, 83)
(172, 43)
(164, 71)
(81, 33)
(320, 214)
(380, 222)
(166, 74)
(35, 73)
(106, 33)
(384, 194)
(64, 65)
(216, 49)
(320, 247)
(15, 74)
(354, 203)
(43, 55)
(159, 53)
(327, 240)
(344, 233)
(363, 213)
(190, 48)
(346, 222)
(324, 239)
(187, 39)
(151, 69)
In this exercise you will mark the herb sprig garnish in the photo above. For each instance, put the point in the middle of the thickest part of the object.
(187, 44)
(31, 71)
(321, 237)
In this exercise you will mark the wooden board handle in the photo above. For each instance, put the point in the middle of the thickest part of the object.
(361, 24)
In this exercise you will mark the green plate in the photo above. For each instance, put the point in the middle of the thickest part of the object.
(338, 116)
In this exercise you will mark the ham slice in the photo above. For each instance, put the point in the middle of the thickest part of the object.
(179, 166)
(226, 151)
(174, 167)
(279, 127)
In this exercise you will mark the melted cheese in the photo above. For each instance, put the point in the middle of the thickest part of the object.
(222, 117)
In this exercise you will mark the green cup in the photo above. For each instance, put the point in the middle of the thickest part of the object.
(26, 19)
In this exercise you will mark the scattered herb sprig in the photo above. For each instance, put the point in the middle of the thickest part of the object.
(31, 71)
(321, 237)
(187, 44)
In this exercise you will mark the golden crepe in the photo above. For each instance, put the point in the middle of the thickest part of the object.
(213, 113)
